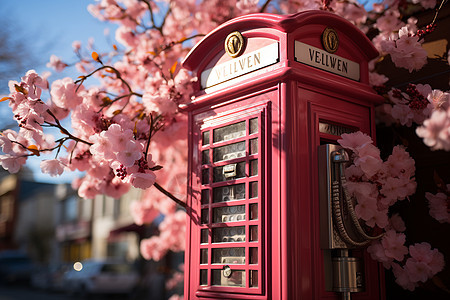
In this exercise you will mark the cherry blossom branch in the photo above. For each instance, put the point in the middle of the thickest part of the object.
(65, 131)
(264, 6)
(114, 70)
(153, 129)
(170, 195)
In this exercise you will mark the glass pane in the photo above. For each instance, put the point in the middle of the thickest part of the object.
(254, 211)
(205, 216)
(229, 132)
(254, 167)
(253, 125)
(227, 152)
(203, 277)
(229, 234)
(253, 278)
(229, 214)
(205, 157)
(253, 255)
(205, 176)
(205, 196)
(254, 233)
(228, 255)
(254, 189)
(204, 236)
(205, 138)
(203, 256)
(229, 193)
(253, 146)
(227, 277)
(229, 172)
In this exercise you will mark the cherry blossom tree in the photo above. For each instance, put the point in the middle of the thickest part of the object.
(127, 130)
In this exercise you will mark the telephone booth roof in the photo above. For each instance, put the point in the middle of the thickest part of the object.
(204, 50)
(283, 34)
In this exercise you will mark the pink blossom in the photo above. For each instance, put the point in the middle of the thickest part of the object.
(88, 189)
(400, 164)
(76, 46)
(352, 11)
(439, 99)
(64, 93)
(247, 6)
(115, 188)
(172, 237)
(403, 114)
(32, 78)
(119, 137)
(436, 130)
(143, 212)
(56, 63)
(389, 21)
(142, 180)
(417, 270)
(424, 262)
(354, 140)
(376, 79)
(380, 219)
(131, 152)
(438, 207)
(396, 223)
(158, 102)
(397, 189)
(5, 142)
(12, 163)
(425, 3)
(408, 52)
(393, 244)
(370, 165)
(102, 147)
(402, 278)
(377, 253)
(153, 248)
(53, 167)
(353, 173)
(366, 206)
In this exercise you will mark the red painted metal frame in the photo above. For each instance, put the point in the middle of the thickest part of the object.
(299, 97)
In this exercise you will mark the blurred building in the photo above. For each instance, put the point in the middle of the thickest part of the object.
(53, 224)
(8, 209)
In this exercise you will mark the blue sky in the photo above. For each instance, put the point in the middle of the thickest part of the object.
(51, 26)
(56, 23)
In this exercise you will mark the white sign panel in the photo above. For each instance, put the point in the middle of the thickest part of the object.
(321, 59)
(241, 65)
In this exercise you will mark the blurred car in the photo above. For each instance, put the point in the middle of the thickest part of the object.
(101, 277)
(50, 277)
(56, 277)
(15, 267)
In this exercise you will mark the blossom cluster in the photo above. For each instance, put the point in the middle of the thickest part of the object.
(439, 205)
(31, 113)
(173, 232)
(421, 105)
(376, 186)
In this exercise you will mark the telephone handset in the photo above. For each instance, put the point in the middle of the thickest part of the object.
(340, 230)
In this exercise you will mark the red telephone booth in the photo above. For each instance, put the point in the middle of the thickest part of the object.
(271, 90)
